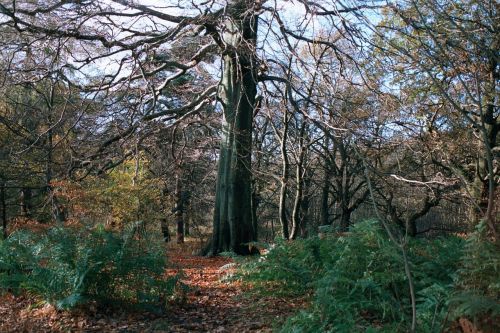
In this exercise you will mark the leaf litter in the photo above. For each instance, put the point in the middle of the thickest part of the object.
(206, 301)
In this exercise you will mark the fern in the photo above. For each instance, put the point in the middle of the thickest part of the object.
(72, 267)
(478, 281)
(358, 281)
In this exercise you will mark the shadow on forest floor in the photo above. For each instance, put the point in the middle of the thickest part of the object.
(210, 303)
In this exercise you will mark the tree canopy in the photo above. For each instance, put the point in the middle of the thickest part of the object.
(237, 122)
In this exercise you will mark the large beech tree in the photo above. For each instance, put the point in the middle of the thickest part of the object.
(128, 54)
(144, 41)
(233, 225)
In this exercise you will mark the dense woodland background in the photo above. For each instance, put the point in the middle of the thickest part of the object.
(245, 125)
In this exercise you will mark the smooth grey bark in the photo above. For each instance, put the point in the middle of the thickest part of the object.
(299, 182)
(284, 176)
(232, 224)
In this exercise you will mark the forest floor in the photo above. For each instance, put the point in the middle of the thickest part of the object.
(211, 302)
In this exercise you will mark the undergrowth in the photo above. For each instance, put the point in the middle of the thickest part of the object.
(358, 283)
(478, 284)
(70, 267)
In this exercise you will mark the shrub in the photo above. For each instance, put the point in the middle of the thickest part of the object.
(69, 267)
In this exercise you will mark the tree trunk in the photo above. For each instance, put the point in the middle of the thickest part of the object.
(187, 224)
(345, 218)
(325, 189)
(57, 210)
(164, 230)
(411, 225)
(345, 197)
(179, 209)
(255, 207)
(299, 189)
(272, 229)
(284, 177)
(491, 129)
(26, 201)
(282, 206)
(305, 205)
(4, 210)
(233, 226)
(297, 204)
(256, 188)
(324, 208)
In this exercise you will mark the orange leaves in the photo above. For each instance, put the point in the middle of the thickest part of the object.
(211, 304)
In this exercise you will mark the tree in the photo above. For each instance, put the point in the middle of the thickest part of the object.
(233, 226)
(38, 120)
(128, 72)
(452, 48)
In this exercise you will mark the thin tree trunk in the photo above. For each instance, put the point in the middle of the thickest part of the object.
(304, 207)
(164, 230)
(26, 201)
(284, 177)
(299, 189)
(256, 196)
(4, 210)
(345, 198)
(187, 223)
(272, 229)
(296, 204)
(57, 210)
(255, 207)
(179, 209)
(325, 188)
(324, 208)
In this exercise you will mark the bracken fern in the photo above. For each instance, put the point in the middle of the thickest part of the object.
(69, 267)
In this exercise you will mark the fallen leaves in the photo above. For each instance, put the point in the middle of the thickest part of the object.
(209, 304)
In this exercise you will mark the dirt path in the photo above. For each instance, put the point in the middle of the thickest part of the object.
(214, 303)
(210, 304)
